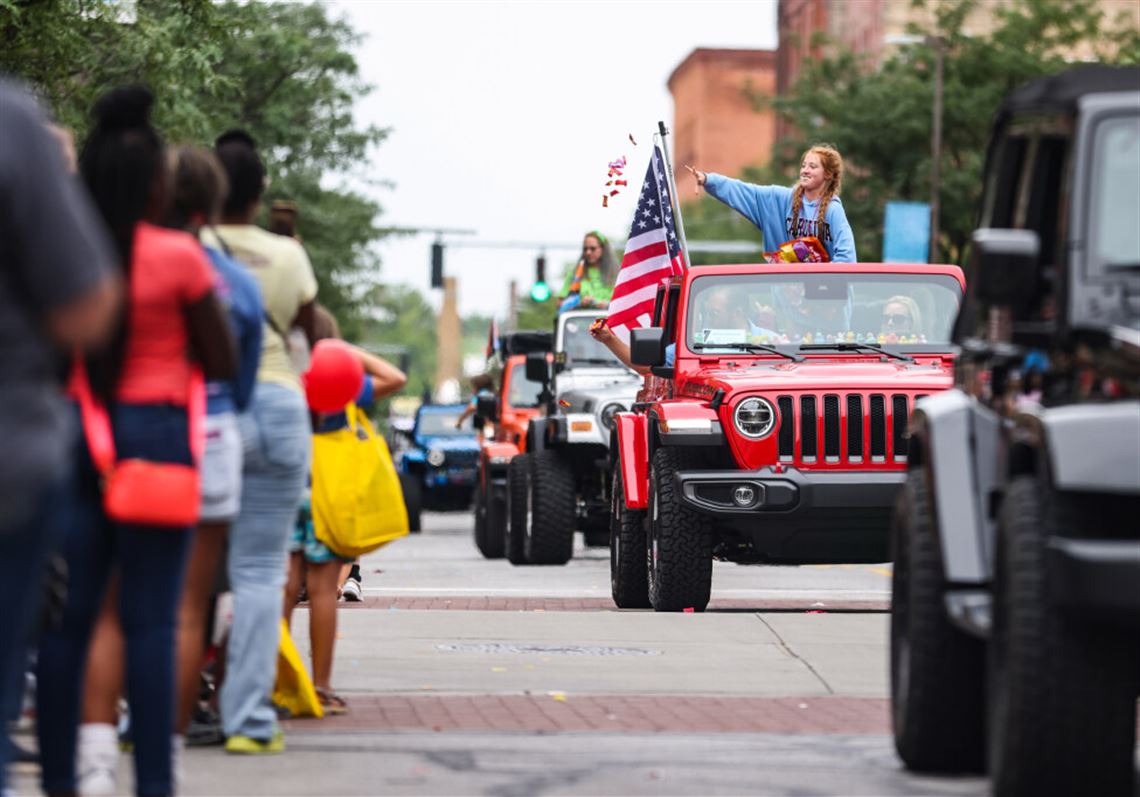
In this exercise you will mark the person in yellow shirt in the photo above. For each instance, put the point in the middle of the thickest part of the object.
(276, 441)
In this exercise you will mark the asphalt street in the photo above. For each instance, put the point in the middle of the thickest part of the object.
(467, 676)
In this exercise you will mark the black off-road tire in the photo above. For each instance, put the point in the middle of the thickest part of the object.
(596, 538)
(497, 520)
(550, 527)
(487, 541)
(629, 581)
(518, 507)
(480, 520)
(678, 540)
(937, 670)
(413, 499)
(1062, 689)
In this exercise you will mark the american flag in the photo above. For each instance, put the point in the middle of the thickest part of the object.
(652, 253)
(493, 338)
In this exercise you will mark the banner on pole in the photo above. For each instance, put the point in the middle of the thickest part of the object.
(906, 232)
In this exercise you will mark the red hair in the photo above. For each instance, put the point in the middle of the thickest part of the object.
(832, 163)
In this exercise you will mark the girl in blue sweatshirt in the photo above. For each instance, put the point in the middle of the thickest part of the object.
(812, 207)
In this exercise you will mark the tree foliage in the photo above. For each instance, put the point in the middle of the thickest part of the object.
(402, 322)
(881, 120)
(283, 71)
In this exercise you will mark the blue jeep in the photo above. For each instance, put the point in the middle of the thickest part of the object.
(438, 463)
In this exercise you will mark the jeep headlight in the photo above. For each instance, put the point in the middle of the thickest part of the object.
(435, 457)
(606, 416)
(754, 418)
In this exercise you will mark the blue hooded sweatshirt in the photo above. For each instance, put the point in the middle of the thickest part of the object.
(769, 207)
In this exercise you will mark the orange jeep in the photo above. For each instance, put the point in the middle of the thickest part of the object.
(503, 456)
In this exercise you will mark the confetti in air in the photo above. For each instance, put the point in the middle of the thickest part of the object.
(616, 169)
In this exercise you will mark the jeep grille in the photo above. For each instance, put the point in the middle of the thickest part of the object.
(854, 427)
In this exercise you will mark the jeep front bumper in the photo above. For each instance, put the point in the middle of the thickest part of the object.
(788, 493)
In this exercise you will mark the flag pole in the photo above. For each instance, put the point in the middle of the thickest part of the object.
(674, 198)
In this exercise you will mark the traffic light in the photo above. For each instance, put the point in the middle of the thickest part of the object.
(540, 291)
(437, 265)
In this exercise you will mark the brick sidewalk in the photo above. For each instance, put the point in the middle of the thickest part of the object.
(558, 713)
(477, 603)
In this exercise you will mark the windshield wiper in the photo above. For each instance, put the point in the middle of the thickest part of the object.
(847, 346)
(751, 348)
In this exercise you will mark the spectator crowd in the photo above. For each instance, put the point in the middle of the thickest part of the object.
(158, 446)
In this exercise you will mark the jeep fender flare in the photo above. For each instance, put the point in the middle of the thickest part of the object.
(631, 448)
(958, 444)
(536, 435)
(1082, 447)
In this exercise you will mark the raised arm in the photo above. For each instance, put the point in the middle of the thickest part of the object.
(386, 378)
(604, 335)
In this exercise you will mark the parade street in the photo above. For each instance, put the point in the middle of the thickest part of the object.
(465, 675)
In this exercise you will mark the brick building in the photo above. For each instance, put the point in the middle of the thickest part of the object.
(873, 28)
(715, 125)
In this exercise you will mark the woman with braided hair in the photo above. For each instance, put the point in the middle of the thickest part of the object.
(812, 207)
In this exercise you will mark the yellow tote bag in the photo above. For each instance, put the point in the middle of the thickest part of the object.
(294, 689)
(357, 502)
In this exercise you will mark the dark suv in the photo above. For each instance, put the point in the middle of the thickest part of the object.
(1015, 623)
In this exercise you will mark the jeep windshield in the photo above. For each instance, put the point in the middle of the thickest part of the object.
(580, 346)
(442, 424)
(1113, 230)
(824, 312)
(524, 393)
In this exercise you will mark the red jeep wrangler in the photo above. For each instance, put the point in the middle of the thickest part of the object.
(774, 425)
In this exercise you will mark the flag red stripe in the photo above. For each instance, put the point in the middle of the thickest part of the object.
(636, 283)
(644, 253)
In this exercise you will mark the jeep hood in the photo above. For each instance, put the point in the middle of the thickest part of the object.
(838, 374)
(598, 380)
(449, 442)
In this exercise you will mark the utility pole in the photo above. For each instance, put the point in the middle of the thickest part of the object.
(449, 334)
(937, 43)
(512, 305)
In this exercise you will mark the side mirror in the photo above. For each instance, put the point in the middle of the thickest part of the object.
(537, 369)
(487, 407)
(647, 346)
(1005, 264)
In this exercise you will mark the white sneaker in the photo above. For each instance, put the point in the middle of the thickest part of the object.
(97, 759)
(352, 591)
(177, 773)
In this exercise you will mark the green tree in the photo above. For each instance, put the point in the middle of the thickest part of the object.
(537, 315)
(283, 71)
(402, 320)
(707, 219)
(881, 120)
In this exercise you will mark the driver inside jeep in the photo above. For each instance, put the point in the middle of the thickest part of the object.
(729, 314)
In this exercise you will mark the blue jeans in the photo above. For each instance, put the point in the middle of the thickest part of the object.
(150, 563)
(24, 550)
(276, 445)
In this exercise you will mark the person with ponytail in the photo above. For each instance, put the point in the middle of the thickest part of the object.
(810, 208)
(173, 324)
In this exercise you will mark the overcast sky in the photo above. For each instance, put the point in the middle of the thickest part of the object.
(505, 116)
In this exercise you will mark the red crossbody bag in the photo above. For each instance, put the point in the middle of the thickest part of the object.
(139, 491)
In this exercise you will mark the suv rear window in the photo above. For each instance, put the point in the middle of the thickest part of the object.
(1113, 229)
